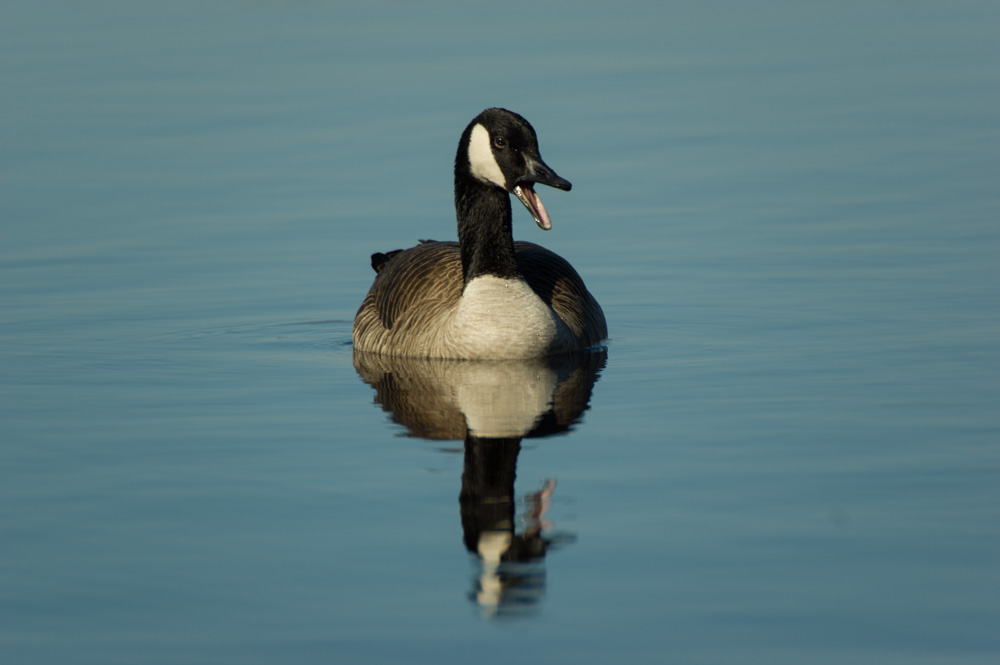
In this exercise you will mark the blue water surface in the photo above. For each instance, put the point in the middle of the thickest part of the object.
(790, 453)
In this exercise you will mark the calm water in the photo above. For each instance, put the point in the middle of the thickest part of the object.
(788, 453)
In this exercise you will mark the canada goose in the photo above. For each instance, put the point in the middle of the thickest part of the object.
(485, 296)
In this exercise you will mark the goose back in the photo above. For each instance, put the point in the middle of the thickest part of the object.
(413, 306)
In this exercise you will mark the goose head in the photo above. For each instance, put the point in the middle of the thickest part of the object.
(500, 149)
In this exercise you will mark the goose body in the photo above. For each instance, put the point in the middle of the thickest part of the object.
(485, 296)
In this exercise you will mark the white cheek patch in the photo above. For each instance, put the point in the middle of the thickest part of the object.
(481, 160)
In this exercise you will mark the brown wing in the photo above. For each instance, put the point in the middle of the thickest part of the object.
(412, 290)
(415, 289)
(558, 284)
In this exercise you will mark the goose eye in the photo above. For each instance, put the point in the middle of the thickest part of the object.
(499, 142)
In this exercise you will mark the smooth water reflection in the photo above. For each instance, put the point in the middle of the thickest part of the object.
(787, 210)
(492, 406)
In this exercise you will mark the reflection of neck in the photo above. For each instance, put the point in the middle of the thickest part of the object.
(487, 498)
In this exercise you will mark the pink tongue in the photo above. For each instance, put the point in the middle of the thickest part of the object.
(541, 214)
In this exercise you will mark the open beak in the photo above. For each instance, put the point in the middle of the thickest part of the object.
(538, 172)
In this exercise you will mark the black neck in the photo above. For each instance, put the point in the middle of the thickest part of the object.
(484, 229)
(487, 497)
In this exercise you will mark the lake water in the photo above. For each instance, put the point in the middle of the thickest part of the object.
(789, 451)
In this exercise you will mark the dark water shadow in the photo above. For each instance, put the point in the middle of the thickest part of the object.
(492, 406)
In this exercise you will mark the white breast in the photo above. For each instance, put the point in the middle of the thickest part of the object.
(504, 318)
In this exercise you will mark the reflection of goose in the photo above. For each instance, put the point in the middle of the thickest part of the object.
(446, 399)
(492, 405)
(484, 296)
